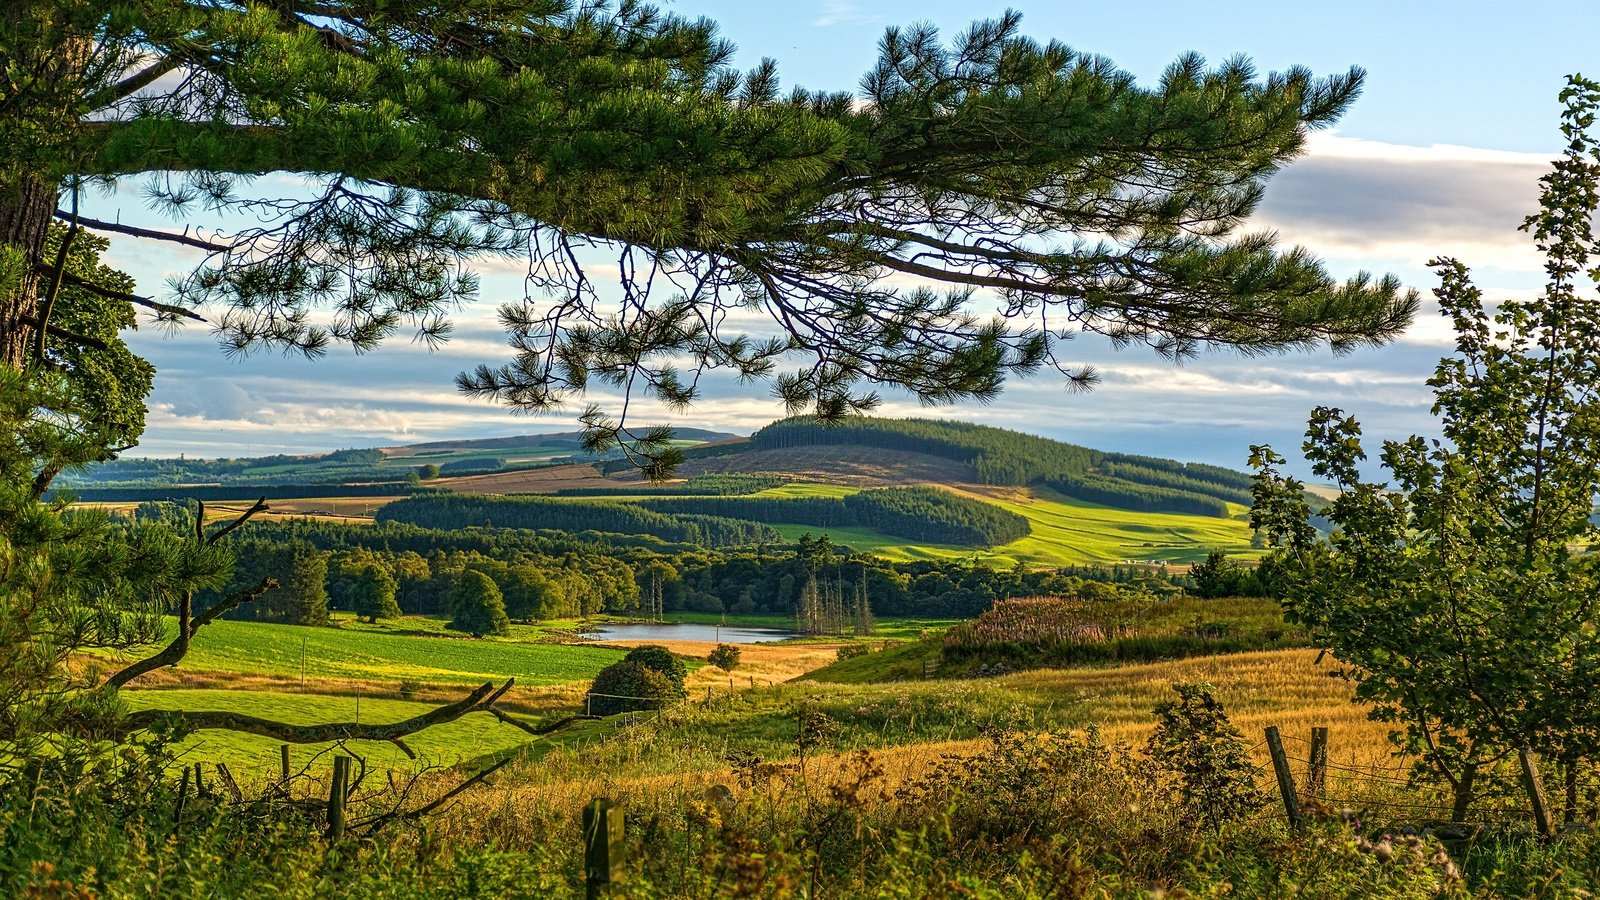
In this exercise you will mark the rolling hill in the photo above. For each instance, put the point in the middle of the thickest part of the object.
(904, 489)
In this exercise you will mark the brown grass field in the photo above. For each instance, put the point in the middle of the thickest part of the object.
(1282, 688)
(528, 481)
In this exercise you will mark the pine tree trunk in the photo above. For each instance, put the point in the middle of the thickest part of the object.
(26, 206)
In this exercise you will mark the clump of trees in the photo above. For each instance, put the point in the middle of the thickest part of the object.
(1459, 594)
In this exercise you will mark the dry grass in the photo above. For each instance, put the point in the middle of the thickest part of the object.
(767, 664)
(1280, 688)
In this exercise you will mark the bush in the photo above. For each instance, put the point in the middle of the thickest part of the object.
(659, 658)
(629, 686)
(725, 657)
(851, 651)
(1195, 742)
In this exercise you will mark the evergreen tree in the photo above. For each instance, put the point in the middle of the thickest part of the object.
(374, 592)
(476, 606)
(306, 593)
(433, 133)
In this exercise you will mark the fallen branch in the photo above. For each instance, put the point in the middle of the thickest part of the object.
(379, 821)
(479, 700)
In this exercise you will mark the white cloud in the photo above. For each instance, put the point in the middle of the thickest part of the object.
(844, 12)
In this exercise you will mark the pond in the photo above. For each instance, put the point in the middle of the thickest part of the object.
(685, 631)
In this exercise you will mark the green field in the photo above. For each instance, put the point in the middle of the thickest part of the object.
(1065, 532)
(258, 648)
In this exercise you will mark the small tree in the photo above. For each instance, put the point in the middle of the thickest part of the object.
(476, 606)
(725, 657)
(1195, 742)
(1455, 595)
(427, 472)
(307, 586)
(374, 593)
(1220, 576)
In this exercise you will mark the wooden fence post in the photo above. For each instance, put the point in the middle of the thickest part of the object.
(602, 845)
(1317, 775)
(341, 772)
(199, 783)
(1535, 787)
(283, 753)
(183, 795)
(1280, 767)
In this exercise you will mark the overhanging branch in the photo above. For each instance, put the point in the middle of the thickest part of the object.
(153, 234)
(173, 652)
(479, 700)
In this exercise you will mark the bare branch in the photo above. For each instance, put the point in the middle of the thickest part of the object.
(478, 701)
(110, 294)
(259, 506)
(153, 234)
(180, 645)
(54, 331)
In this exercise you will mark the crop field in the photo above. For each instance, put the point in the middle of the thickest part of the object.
(258, 648)
(1065, 531)
(910, 726)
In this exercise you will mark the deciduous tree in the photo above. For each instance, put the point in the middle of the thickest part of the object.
(1458, 594)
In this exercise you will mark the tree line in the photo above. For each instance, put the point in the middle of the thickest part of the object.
(326, 566)
(450, 510)
(927, 514)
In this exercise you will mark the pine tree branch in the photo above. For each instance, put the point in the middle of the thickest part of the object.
(74, 337)
(153, 234)
(112, 294)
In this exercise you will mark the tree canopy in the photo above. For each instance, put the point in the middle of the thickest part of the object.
(1030, 191)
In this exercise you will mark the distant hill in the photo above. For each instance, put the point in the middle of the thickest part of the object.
(872, 451)
(366, 470)
(572, 439)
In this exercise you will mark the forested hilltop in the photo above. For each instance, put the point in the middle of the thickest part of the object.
(997, 456)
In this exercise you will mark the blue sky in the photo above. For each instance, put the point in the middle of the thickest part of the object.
(1440, 155)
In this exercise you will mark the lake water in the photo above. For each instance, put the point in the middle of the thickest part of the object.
(683, 631)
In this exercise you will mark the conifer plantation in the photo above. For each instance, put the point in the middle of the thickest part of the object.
(846, 656)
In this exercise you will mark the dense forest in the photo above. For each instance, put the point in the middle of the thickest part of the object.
(926, 514)
(448, 511)
(1001, 457)
(551, 574)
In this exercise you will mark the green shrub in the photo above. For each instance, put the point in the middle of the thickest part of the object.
(1207, 756)
(725, 657)
(630, 686)
(659, 658)
(851, 651)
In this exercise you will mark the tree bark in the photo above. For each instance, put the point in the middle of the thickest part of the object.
(1463, 792)
(27, 204)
